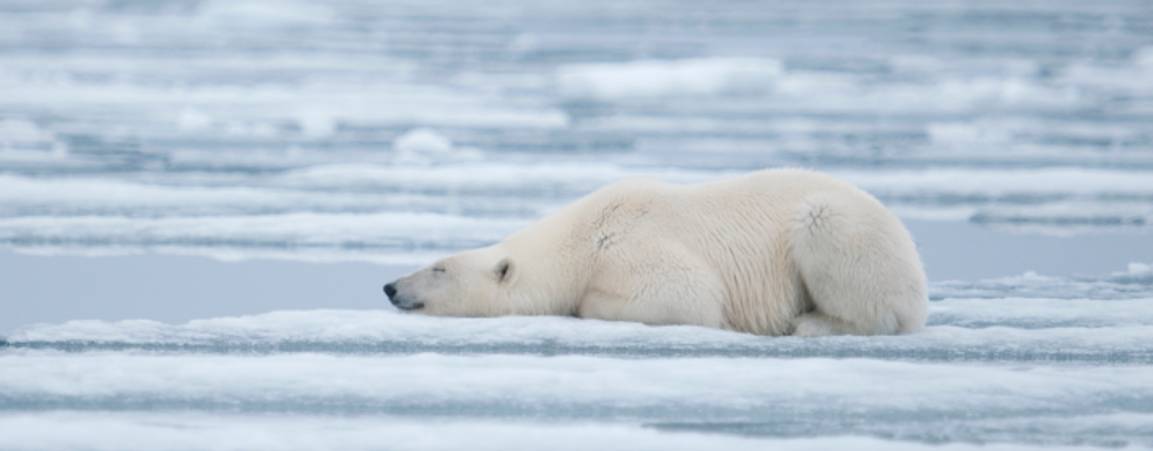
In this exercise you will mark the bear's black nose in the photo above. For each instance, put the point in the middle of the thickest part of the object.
(389, 290)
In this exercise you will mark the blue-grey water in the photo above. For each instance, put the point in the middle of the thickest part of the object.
(199, 200)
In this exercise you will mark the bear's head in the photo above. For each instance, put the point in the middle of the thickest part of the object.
(479, 282)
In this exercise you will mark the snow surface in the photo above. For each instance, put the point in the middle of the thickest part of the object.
(1022, 370)
(226, 432)
(962, 329)
(653, 79)
(565, 386)
(1015, 372)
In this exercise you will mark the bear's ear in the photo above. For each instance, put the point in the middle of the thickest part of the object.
(503, 270)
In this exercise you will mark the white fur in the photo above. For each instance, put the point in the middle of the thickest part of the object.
(775, 252)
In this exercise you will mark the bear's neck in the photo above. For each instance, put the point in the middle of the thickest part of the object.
(557, 263)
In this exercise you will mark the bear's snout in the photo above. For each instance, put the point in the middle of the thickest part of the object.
(399, 301)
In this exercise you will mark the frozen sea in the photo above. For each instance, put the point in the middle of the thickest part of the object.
(200, 199)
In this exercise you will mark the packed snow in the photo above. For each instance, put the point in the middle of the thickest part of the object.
(227, 432)
(1026, 371)
(659, 79)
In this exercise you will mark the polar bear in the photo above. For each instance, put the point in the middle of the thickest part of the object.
(775, 252)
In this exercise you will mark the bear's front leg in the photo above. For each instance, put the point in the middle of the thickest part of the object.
(679, 295)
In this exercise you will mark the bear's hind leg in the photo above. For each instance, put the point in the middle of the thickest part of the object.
(859, 267)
